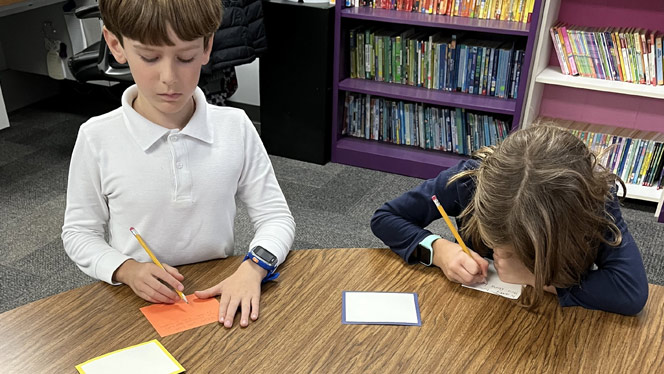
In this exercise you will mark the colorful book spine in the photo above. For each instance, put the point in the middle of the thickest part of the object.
(658, 59)
(557, 45)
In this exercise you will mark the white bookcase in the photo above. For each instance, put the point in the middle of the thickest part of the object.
(543, 74)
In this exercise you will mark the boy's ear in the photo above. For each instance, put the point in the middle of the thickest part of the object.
(208, 50)
(114, 46)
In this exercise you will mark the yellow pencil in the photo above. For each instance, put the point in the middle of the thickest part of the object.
(449, 224)
(152, 256)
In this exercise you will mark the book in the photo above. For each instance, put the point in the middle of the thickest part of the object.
(558, 47)
(652, 66)
(562, 32)
(658, 59)
(619, 54)
(647, 159)
(657, 170)
(593, 50)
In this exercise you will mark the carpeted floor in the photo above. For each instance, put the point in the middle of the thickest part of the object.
(332, 204)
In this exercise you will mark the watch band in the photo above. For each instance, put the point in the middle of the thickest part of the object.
(428, 241)
(271, 274)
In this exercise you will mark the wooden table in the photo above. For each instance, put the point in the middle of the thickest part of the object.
(300, 330)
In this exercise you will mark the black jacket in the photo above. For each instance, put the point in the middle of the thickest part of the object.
(240, 37)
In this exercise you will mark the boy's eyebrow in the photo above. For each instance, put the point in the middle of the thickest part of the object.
(152, 48)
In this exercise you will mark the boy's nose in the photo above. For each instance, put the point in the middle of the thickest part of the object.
(167, 74)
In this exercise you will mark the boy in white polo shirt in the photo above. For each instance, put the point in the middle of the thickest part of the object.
(170, 165)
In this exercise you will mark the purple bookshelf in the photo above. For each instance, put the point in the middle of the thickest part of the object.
(408, 160)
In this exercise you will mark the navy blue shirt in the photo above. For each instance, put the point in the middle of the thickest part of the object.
(618, 285)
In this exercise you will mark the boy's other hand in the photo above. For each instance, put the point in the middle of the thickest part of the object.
(242, 289)
(145, 279)
(457, 265)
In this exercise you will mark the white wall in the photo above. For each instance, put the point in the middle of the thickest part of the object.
(248, 91)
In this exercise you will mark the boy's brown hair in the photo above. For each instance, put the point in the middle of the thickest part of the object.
(544, 193)
(148, 20)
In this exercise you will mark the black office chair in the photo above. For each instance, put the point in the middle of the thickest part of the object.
(96, 61)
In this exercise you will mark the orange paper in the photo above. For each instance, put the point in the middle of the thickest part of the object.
(169, 319)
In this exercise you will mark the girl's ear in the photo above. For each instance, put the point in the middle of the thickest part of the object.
(114, 46)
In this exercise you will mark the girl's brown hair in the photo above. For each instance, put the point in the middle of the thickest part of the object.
(543, 192)
(148, 20)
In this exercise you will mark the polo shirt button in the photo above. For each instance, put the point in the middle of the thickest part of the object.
(179, 165)
(174, 138)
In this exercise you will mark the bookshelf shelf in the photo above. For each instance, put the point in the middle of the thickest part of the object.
(438, 21)
(410, 160)
(638, 192)
(553, 75)
(424, 95)
(393, 158)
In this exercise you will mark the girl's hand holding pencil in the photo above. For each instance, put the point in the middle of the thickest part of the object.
(457, 265)
(458, 262)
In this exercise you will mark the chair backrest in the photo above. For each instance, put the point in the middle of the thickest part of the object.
(96, 62)
(110, 67)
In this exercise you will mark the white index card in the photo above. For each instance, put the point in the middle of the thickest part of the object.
(380, 308)
(497, 287)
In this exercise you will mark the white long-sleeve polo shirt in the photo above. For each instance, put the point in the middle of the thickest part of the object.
(176, 187)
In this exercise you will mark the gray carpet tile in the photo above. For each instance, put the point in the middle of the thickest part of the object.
(649, 236)
(332, 204)
(338, 195)
(50, 261)
(39, 116)
(10, 151)
(33, 164)
(18, 287)
(243, 231)
(333, 230)
(37, 190)
(304, 173)
(34, 287)
(29, 232)
(384, 187)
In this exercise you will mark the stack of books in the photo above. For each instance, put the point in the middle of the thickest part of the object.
(636, 156)
(429, 127)
(619, 54)
(436, 61)
(503, 10)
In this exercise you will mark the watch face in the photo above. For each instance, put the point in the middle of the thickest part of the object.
(424, 255)
(265, 255)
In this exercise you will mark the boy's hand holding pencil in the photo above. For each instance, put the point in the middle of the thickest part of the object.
(149, 280)
(459, 263)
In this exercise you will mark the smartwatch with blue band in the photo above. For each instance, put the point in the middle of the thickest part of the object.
(265, 259)
(424, 250)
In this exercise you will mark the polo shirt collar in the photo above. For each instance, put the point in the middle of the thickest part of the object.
(146, 132)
